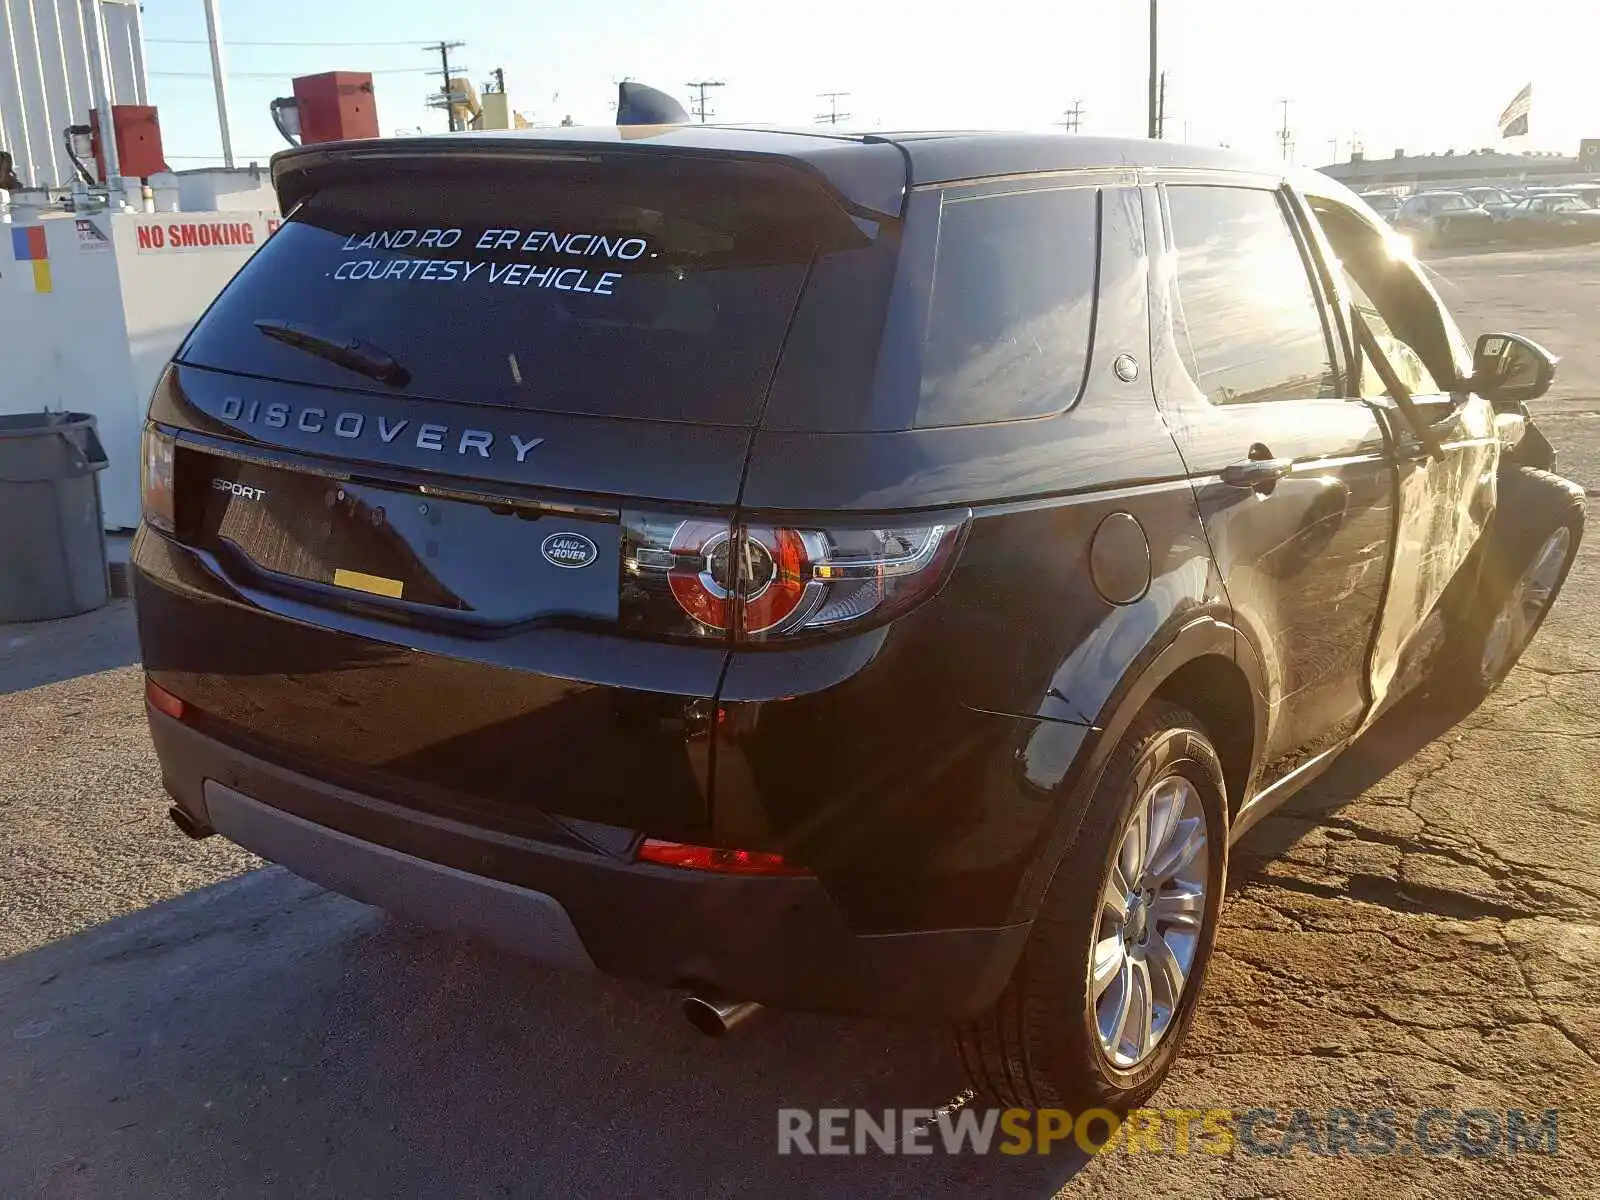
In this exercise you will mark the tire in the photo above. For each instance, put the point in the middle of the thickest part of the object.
(1532, 544)
(1040, 1046)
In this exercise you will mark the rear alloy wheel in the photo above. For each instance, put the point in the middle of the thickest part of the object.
(1097, 1008)
(1151, 914)
(1531, 546)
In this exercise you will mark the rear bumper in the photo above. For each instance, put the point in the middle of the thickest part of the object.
(518, 918)
(780, 941)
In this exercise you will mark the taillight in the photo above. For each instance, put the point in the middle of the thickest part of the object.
(715, 858)
(700, 577)
(757, 583)
(778, 585)
(162, 700)
(155, 478)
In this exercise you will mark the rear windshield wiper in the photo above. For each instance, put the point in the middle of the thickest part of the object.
(350, 353)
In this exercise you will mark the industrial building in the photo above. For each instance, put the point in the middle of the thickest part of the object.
(1426, 172)
(52, 54)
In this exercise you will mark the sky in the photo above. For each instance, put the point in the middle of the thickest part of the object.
(1418, 75)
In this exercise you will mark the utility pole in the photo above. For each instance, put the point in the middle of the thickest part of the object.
(833, 116)
(100, 80)
(446, 98)
(1073, 117)
(1285, 137)
(218, 80)
(616, 85)
(1161, 107)
(1153, 128)
(698, 107)
(1333, 150)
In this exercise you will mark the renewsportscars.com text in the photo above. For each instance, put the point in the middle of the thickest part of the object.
(1258, 1132)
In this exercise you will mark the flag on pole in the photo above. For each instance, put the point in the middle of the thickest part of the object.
(1514, 121)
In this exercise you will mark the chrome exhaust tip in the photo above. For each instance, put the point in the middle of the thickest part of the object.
(714, 1018)
(193, 828)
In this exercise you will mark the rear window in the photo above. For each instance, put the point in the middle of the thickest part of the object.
(652, 290)
(1012, 306)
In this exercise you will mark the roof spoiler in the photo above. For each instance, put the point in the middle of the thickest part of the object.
(866, 176)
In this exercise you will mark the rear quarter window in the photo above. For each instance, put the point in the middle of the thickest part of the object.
(1012, 305)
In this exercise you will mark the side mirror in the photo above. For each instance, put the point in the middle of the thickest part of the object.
(1509, 369)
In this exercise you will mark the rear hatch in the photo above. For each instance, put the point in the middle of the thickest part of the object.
(443, 398)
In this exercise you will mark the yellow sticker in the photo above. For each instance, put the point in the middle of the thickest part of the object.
(41, 277)
(376, 584)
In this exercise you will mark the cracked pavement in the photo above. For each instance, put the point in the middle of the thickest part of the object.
(1420, 928)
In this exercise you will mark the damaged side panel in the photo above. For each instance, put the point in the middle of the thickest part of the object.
(1444, 508)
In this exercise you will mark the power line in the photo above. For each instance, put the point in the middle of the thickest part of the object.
(246, 42)
(699, 107)
(833, 116)
(274, 74)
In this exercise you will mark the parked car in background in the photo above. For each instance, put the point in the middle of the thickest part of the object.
(1444, 219)
(1493, 200)
(1589, 193)
(1552, 217)
(1385, 204)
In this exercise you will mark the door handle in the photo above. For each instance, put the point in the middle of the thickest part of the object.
(1256, 472)
(1412, 452)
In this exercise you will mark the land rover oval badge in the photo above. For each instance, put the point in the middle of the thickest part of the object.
(569, 550)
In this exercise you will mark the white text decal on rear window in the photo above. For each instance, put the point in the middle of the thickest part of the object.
(614, 247)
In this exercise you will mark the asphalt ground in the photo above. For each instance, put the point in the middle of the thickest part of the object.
(1417, 931)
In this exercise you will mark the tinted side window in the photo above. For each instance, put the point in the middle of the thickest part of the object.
(1255, 329)
(1012, 306)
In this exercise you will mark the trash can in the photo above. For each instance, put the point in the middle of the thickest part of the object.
(52, 537)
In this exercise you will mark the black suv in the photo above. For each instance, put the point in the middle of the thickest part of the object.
(868, 574)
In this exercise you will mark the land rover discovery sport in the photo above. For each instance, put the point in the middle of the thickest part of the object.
(871, 574)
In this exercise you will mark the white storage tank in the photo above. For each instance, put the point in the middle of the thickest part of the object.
(223, 189)
(93, 305)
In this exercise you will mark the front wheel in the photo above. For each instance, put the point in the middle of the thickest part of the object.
(1532, 544)
(1098, 1006)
